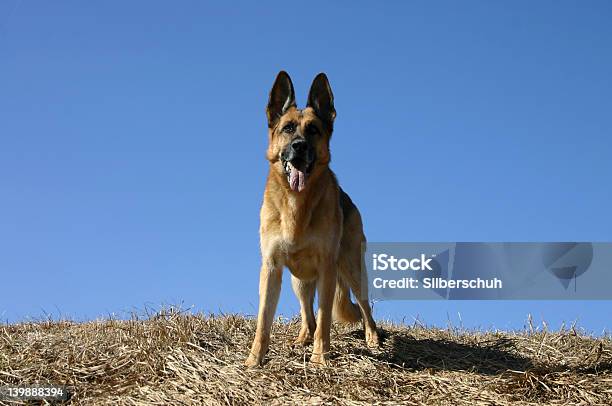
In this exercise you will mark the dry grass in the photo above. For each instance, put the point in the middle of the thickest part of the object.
(181, 359)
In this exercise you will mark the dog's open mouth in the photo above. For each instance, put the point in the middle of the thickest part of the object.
(297, 174)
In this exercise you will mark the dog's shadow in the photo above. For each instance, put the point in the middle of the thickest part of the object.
(402, 350)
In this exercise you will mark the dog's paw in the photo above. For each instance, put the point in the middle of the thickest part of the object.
(319, 360)
(372, 340)
(253, 361)
(303, 340)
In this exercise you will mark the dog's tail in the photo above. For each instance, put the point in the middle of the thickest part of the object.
(344, 309)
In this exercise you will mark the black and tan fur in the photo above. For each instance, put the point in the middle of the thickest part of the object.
(308, 224)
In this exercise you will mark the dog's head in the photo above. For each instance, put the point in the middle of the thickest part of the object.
(299, 139)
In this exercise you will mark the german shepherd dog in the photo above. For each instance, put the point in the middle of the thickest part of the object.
(308, 224)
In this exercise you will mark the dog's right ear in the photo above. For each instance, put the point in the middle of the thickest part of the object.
(282, 96)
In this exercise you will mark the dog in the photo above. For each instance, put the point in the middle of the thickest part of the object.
(308, 224)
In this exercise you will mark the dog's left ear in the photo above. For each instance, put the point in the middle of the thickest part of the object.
(321, 99)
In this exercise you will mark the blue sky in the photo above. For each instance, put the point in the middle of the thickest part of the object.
(132, 139)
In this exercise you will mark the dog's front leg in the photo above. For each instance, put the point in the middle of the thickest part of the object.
(270, 279)
(326, 285)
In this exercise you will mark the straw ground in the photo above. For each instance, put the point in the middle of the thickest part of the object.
(174, 358)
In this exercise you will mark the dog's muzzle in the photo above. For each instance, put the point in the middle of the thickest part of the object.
(298, 159)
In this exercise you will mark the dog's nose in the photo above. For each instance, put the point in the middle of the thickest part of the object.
(299, 146)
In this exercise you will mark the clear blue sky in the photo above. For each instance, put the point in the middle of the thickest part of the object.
(132, 139)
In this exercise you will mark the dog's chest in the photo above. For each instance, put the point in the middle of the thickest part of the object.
(295, 223)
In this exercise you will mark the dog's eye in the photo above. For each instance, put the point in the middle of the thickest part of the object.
(312, 130)
(289, 128)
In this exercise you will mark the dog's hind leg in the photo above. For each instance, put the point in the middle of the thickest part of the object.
(353, 277)
(305, 291)
(350, 265)
(361, 295)
(344, 309)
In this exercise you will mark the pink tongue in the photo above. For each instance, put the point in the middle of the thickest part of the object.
(297, 179)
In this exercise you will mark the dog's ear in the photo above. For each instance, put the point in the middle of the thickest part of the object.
(321, 99)
(282, 96)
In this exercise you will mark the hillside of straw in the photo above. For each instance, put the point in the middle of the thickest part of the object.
(173, 358)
